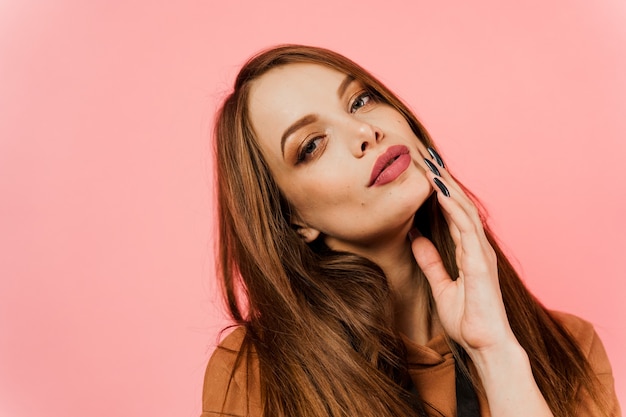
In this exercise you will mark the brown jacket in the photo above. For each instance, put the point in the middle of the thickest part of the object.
(431, 368)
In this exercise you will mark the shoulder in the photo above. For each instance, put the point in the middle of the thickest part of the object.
(591, 346)
(226, 353)
(579, 328)
(231, 380)
(588, 340)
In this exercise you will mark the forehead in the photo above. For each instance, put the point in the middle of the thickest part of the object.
(294, 79)
(291, 82)
(286, 93)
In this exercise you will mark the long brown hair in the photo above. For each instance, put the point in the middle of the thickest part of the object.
(320, 321)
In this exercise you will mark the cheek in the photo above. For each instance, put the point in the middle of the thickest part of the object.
(324, 195)
(323, 198)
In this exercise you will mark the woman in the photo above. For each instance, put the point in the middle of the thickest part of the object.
(361, 275)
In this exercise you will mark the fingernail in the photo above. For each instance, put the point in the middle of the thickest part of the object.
(414, 234)
(436, 157)
(442, 187)
(432, 167)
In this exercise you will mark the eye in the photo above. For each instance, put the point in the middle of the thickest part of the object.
(361, 101)
(310, 147)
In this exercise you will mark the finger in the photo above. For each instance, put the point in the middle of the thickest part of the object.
(433, 163)
(452, 227)
(435, 170)
(455, 189)
(431, 264)
(454, 206)
(463, 218)
(472, 246)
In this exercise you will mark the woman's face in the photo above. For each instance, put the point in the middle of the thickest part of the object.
(350, 166)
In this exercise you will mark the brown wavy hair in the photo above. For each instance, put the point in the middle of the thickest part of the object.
(321, 321)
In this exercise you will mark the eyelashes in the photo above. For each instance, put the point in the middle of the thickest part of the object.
(309, 148)
(312, 146)
(362, 99)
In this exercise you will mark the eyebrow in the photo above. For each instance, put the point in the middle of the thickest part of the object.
(312, 118)
(298, 124)
(344, 85)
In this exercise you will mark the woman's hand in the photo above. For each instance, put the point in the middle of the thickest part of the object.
(470, 308)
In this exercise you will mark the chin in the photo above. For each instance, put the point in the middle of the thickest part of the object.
(412, 195)
(400, 216)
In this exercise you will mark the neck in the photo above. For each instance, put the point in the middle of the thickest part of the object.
(410, 290)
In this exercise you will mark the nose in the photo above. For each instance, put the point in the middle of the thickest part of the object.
(368, 135)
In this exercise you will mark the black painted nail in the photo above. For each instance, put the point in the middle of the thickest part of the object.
(413, 234)
(442, 187)
(432, 167)
(436, 157)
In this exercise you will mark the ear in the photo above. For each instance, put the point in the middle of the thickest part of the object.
(307, 233)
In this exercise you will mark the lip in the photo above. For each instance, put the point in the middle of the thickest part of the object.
(389, 165)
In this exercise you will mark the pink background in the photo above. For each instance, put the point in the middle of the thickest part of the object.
(108, 304)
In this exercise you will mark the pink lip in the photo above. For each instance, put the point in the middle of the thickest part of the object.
(390, 165)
